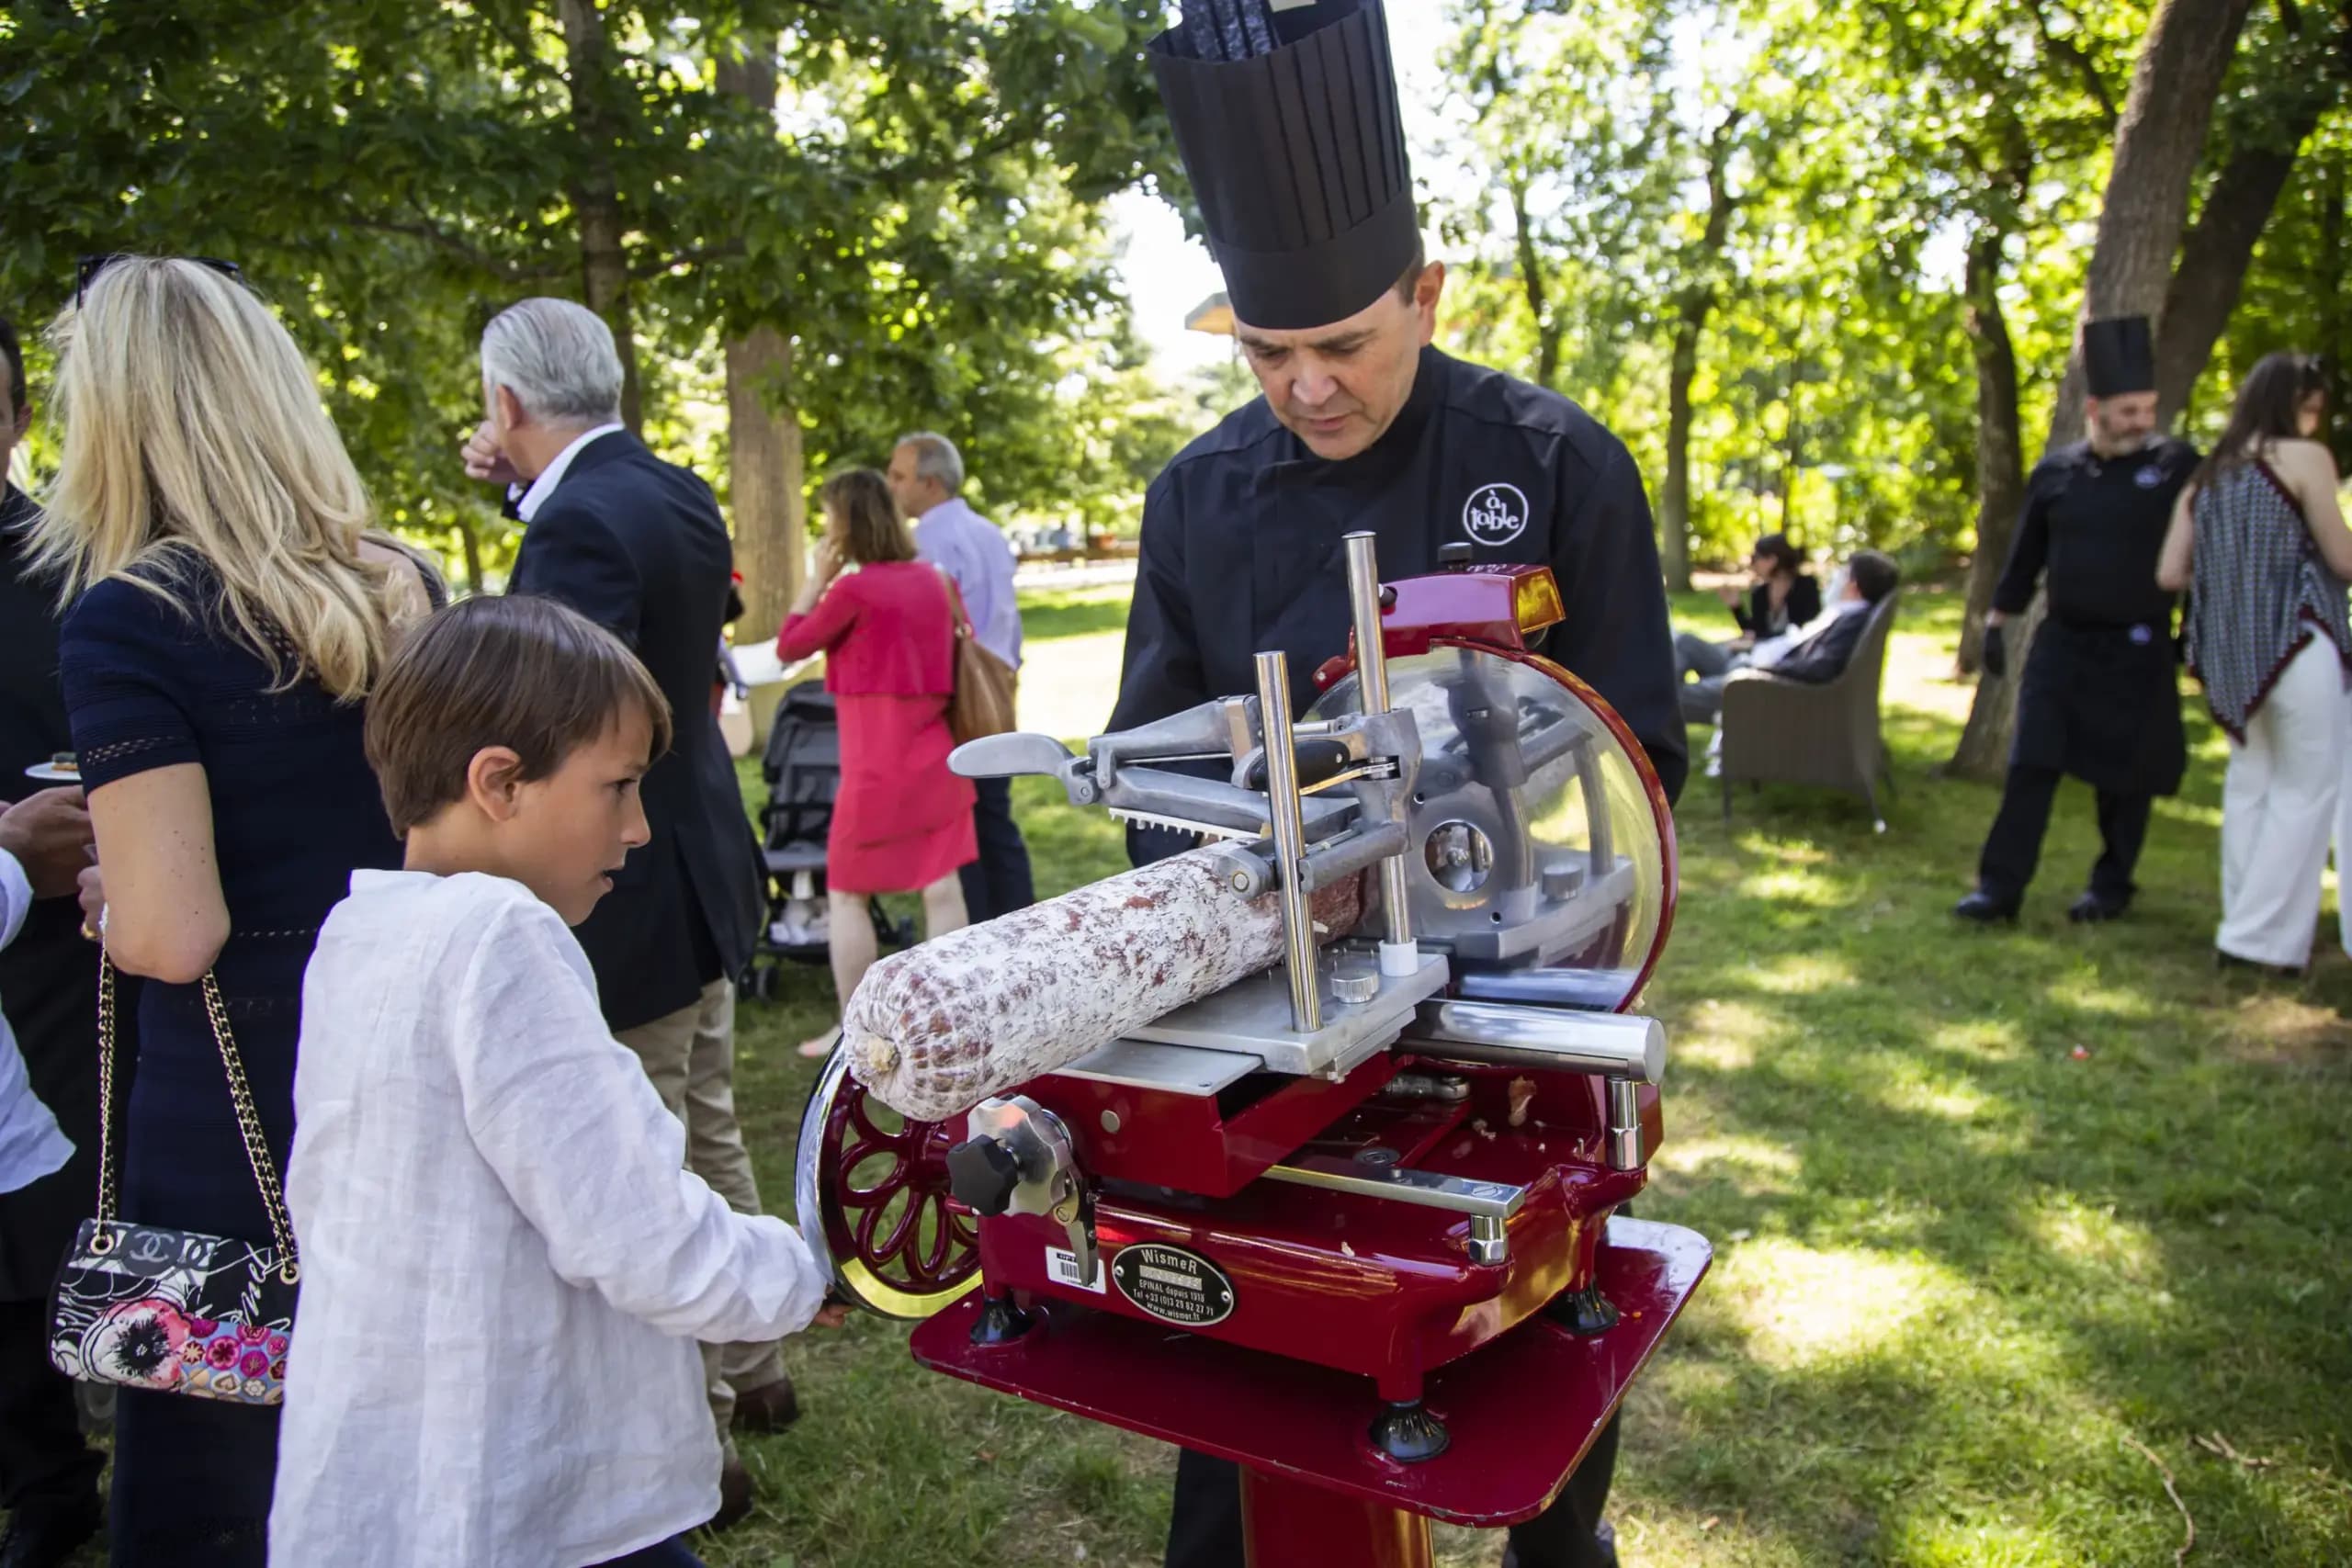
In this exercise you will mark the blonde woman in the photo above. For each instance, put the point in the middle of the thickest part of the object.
(227, 619)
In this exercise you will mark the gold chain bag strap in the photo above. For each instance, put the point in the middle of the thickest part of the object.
(175, 1311)
(982, 703)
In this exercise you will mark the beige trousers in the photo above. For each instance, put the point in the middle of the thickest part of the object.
(690, 1056)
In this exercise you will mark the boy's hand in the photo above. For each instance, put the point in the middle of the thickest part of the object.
(833, 1315)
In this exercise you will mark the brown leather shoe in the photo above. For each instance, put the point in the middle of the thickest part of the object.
(734, 1496)
(767, 1409)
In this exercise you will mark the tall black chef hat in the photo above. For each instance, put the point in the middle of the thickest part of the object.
(2118, 356)
(1285, 116)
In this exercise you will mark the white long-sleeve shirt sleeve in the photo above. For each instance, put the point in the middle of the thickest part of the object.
(582, 1144)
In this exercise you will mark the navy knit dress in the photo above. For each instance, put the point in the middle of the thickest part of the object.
(295, 812)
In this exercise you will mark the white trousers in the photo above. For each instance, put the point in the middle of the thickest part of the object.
(2278, 809)
(2344, 839)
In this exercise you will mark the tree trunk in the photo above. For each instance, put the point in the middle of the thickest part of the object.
(1674, 499)
(603, 258)
(1697, 302)
(2157, 143)
(1531, 283)
(1792, 449)
(2336, 321)
(2000, 462)
(766, 480)
(470, 542)
(2215, 257)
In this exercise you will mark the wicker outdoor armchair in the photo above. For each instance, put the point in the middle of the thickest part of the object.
(1796, 732)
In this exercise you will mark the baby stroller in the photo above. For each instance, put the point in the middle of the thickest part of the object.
(802, 765)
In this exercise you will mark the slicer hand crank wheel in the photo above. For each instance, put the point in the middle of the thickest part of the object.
(870, 1188)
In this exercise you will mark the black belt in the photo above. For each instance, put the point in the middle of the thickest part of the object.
(2140, 634)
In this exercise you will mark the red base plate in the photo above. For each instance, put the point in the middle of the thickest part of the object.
(1522, 1411)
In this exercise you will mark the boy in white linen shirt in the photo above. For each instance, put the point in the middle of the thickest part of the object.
(505, 1263)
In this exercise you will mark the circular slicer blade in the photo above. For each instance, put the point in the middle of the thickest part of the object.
(1540, 837)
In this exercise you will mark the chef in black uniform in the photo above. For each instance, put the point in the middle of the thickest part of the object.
(49, 983)
(1287, 122)
(2100, 698)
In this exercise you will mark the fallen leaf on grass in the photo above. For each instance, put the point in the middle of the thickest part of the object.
(1710, 1522)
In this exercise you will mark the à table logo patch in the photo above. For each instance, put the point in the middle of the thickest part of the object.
(1495, 515)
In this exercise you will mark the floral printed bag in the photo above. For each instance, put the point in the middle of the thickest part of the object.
(172, 1311)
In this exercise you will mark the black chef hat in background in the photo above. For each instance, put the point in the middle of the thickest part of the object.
(1285, 115)
(2118, 356)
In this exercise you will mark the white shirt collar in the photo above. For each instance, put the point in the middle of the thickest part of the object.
(553, 475)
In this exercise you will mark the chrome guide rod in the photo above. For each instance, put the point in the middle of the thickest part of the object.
(1397, 954)
(1290, 840)
(1626, 1150)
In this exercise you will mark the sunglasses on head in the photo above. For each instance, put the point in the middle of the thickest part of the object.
(88, 271)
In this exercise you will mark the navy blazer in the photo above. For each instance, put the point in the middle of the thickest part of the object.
(49, 976)
(637, 545)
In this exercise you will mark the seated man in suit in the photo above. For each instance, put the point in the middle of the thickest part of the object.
(637, 545)
(1816, 652)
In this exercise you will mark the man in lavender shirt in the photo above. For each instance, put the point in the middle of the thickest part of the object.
(927, 481)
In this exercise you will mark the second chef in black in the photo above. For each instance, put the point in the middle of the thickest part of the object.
(2099, 699)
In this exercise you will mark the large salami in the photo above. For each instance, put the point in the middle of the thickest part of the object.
(934, 1030)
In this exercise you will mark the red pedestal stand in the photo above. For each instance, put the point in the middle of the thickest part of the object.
(1520, 1411)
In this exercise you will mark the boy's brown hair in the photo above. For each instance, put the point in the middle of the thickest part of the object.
(526, 674)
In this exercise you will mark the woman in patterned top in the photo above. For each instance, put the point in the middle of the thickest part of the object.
(227, 617)
(2259, 538)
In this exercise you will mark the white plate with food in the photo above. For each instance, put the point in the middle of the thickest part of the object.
(62, 769)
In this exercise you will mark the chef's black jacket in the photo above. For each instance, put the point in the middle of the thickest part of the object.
(1241, 548)
(2100, 698)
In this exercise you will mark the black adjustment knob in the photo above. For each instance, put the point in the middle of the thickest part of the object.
(1455, 557)
(982, 1173)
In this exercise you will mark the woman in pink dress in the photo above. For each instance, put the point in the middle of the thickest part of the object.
(902, 823)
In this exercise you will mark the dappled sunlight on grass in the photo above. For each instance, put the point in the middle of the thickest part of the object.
(1716, 1155)
(2121, 1004)
(2067, 1225)
(1784, 885)
(1797, 1305)
(1801, 974)
(1993, 1039)
(1721, 1033)
(1907, 1084)
(2190, 813)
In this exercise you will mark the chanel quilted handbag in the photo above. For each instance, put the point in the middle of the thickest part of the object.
(173, 1311)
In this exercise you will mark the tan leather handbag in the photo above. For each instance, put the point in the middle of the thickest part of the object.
(982, 703)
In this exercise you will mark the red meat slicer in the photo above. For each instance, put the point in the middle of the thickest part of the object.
(1348, 1222)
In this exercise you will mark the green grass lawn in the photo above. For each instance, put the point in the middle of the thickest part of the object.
(1959, 1262)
